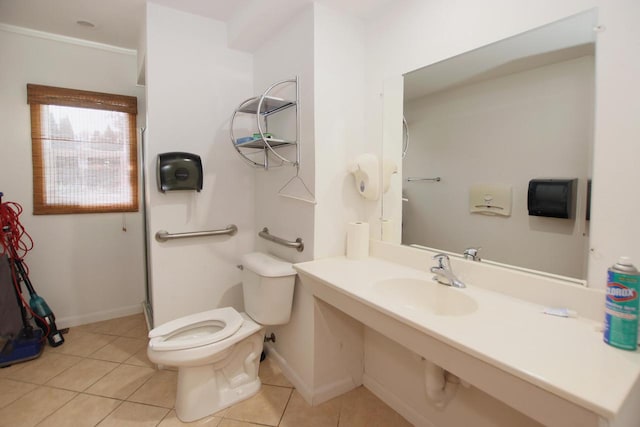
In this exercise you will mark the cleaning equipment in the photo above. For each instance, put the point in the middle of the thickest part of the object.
(16, 243)
(19, 342)
(621, 309)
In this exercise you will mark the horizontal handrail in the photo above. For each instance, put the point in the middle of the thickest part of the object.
(163, 235)
(415, 178)
(298, 245)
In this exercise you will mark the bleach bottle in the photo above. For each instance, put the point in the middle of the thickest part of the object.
(621, 307)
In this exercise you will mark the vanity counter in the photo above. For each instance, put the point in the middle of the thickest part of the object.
(565, 357)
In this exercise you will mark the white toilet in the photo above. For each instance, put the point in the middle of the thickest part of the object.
(217, 352)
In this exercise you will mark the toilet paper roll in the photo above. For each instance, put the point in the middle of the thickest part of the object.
(357, 240)
(388, 231)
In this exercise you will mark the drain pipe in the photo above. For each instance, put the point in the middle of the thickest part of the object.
(441, 385)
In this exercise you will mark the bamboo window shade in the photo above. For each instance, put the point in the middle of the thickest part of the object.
(84, 149)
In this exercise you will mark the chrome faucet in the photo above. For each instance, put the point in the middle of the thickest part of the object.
(443, 273)
(472, 254)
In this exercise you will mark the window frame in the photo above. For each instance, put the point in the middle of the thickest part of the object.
(39, 95)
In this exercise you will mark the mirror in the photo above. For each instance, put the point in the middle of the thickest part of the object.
(479, 127)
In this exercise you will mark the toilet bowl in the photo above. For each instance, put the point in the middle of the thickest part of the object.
(217, 352)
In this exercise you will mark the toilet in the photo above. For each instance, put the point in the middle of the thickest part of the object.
(217, 352)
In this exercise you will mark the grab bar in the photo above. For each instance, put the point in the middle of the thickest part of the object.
(414, 178)
(163, 235)
(298, 245)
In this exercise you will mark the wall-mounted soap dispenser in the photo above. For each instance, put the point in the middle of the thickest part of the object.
(365, 170)
(179, 171)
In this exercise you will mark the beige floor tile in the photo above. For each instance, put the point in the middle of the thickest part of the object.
(134, 415)
(47, 366)
(81, 343)
(360, 408)
(151, 393)
(10, 370)
(221, 413)
(140, 359)
(300, 413)
(234, 423)
(171, 420)
(271, 374)
(34, 406)
(121, 382)
(159, 390)
(119, 326)
(266, 407)
(12, 390)
(119, 349)
(82, 411)
(82, 375)
(139, 331)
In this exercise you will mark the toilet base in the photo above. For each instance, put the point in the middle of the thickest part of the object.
(205, 390)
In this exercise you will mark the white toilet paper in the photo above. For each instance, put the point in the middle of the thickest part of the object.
(357, 240)
(388, 231)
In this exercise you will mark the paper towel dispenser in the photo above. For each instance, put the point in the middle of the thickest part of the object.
(179, 171)
(554, 198)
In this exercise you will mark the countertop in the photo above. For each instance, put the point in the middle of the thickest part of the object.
(564, 356)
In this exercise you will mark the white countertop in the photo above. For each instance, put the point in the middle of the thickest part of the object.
(565, 356)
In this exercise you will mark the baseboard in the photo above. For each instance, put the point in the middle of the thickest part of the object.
(311, 396)
(335, 389)
(70, 321)
(302, 388)
(397, 404)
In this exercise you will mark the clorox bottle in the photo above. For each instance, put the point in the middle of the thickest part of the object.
(621, 307)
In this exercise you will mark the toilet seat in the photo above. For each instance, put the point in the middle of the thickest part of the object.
(194, 330)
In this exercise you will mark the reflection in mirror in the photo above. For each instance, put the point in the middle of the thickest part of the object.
(486, 123)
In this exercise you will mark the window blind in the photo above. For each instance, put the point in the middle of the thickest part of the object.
(84, 147)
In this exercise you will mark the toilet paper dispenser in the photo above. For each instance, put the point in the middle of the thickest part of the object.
(179, 171)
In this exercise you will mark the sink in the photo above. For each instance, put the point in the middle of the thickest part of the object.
(425, 295)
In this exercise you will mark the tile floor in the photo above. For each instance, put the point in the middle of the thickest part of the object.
(101, 376)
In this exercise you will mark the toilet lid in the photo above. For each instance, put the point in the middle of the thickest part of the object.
(196, 330)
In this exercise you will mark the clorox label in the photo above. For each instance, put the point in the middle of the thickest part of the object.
(619, 292)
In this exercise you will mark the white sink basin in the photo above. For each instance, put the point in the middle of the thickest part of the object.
(425, 295)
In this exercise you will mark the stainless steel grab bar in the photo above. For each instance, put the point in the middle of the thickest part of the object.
(163, 235)
(414, 178)
(298, 245)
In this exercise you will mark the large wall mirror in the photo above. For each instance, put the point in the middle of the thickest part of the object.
(480, 126)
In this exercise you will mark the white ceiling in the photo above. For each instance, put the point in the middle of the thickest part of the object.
(118, 22)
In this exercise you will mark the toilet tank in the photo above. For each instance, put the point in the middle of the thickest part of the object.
(267, 284)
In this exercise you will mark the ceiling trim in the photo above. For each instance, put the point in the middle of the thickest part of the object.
(65, 39)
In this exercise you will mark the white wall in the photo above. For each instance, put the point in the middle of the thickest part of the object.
(85, 266)
(614, 225)
(326, 50)
(339, 123)
(411, 34)
(339, 120)
(506, 131)
(193, 83)
(289, 53)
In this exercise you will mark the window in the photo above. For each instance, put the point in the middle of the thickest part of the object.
(84, 147)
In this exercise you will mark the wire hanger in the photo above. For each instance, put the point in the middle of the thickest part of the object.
(311, 199)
